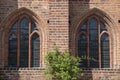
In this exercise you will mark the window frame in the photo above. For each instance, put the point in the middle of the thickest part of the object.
(8, 33)
(78, 33)
(31, 36)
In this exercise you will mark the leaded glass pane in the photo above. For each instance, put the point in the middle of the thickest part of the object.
(14, 27)
(12, 55)
(82, 50)
(93, 37)
(93, 24)
(35, 51)
(102, 27)
(83, 28)
(24, 42)
(105, 57)
(34, 26)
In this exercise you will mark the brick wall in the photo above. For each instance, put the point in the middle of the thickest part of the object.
(61, 18)
(39, 74)
(22, 74)
(6, 7)
(40, 7)
(101, 74)
(58, 24)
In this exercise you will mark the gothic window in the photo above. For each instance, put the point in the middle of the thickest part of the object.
(24, 41)
(93, 46)
(105, 58)
(35, 50)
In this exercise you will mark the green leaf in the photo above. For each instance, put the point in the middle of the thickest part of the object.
(62, 66)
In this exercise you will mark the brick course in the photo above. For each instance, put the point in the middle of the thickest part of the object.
(39, 74)
(58, 24)
(22, 74)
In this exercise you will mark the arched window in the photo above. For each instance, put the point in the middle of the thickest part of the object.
(22, 44)
(94, 48)
(35, 50)
(105, 58)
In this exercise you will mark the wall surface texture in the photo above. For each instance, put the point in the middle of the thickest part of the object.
(58, 21)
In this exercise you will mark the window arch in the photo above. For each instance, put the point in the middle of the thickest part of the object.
(22, 44)
(105, 57)
(95, 45)
(35, 50)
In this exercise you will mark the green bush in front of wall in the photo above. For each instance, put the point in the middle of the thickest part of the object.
(1, 78)
(62, 66)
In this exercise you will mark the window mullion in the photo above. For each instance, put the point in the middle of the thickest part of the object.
(18, 45)
(88, 44)
(99, 45)
(30, 23)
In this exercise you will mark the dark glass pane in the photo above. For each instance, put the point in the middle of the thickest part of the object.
(12, 55)
(82, 50)
(24, 42)
(93, 24)
(83, 28)
(35, 51)
(14, 27)
(93, 37)
(105, 57)
(34, 26)
(102, 27)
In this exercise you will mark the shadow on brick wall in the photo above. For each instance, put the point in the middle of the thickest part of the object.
(9, 73)
(87, 75)
(76, 9)
(6, 7)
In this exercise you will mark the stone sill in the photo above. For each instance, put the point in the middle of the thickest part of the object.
(101, 70)
(19, 68)
(84, 69)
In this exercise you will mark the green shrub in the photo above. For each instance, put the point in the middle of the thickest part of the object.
(62, 66)
(1, 78)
